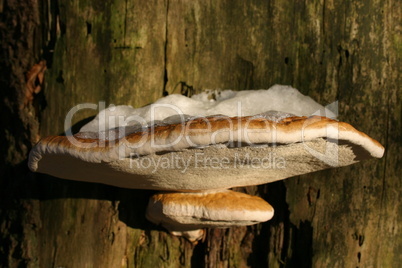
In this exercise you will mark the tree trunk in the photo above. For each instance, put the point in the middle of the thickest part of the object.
(133, 52)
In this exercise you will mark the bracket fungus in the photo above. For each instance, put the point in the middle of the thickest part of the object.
(195, 149)
(185, 213)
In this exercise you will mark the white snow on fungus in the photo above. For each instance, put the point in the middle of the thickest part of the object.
(275, 104)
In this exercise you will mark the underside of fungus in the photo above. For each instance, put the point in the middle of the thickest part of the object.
(196, 159)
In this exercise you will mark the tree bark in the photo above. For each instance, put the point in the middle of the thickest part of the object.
(133, 52)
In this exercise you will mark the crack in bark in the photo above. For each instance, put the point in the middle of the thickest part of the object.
(165, 74)
(323, 19)
(385, 157)
(125, 25)
(54, 254)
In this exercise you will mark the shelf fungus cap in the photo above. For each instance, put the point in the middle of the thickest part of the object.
(206, 153)
(186, 213)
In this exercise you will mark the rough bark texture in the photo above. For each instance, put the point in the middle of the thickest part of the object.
(133, 52)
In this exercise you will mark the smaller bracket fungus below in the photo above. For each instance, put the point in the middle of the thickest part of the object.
(187, 213)
(194, 149)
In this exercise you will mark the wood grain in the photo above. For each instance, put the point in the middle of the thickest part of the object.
(132, 52)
